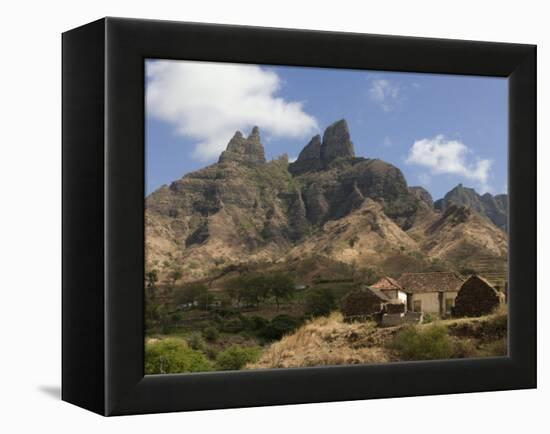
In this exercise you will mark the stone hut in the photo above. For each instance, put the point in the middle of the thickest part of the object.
(363, 303)
(432, 293)
(476, 297)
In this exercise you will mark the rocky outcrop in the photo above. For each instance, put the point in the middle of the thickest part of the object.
(319, 154)
(247, 150)
(337, 142)
(495, 208)
(423, 195)
(309, 159)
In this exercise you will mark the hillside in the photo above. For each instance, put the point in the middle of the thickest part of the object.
(331, 341)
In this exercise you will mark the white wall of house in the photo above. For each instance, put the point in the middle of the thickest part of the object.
(396, 294)
(402, 296)
(430, 301)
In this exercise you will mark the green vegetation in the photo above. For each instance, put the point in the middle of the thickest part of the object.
(235, 357)
(253, 289)
(211, 334)
(151, 279)
(429, 343)
(193, 293)
(320, 302)
(279, 326)
(175, 275)
(172, 356)
(195, 341)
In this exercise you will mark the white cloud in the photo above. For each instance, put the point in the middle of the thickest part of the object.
(387, 142)
(442, 156)
(292, 159)
(208, 102)
(424, 179)
(385, 93)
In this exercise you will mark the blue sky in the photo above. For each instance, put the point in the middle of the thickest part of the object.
(440, 130)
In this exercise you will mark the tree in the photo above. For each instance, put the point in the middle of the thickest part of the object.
(320, 301)
(151, 279)
(175, 275)
(280, 286)
(191, 293)
(236, 357)
(233, 288)
(249, 293)
(279, 326)
(169, 356)
(205, 299)
(251, 289)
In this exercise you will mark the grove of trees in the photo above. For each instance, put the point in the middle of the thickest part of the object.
(253, 289)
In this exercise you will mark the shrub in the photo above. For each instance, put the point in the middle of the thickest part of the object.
(170, 356)
(464, 348)
(235, 357)
(195, 341)
(320, 302)
(255, 323)
(211, 334)
(211, 353)
(176, 317)
(279, 326)
(428, 318)
(497, 348)
(234, 325)
(413, 343)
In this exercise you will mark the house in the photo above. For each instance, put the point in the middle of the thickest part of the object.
(363, 303)
(476, 297)
(432, 293)
(391, 288)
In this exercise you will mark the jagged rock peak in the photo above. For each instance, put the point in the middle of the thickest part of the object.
(244, 150)
(337, 142)
(317, 154)
(254, 135)
(495, 208)
(309, 159)
(422, 194)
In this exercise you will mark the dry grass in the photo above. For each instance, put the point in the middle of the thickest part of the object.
(326, 341)
(331, 341)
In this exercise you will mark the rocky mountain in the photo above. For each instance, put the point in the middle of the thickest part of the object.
(495, 208)
(423, 195)
(460, 235)
(328, 203)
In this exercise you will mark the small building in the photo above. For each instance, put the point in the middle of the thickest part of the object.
(476, 297)
(363, 303)
(432, 293)
(391, 288)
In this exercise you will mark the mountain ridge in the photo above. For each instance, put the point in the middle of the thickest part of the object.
(329, 202)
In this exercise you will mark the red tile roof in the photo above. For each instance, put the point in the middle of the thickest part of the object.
(431, 282)
(386, 282)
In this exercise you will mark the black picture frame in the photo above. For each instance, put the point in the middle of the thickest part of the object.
(103, 215)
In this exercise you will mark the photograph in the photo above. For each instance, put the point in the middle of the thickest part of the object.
(301, 217)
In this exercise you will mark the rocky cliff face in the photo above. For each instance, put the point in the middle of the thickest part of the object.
(319, 154)
(423, 195)
(495, 208)
(244, 150)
